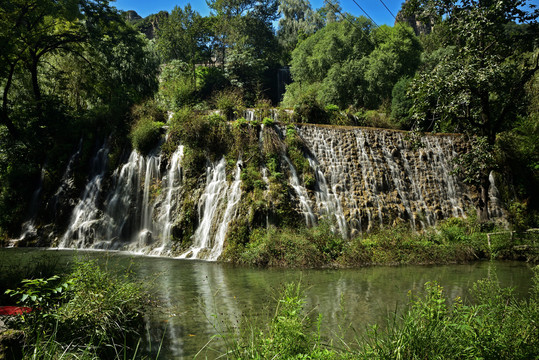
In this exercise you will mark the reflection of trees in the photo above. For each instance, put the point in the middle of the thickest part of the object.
(194, 296)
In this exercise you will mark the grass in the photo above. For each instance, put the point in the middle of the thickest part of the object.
(88, 313)
(454, 240)
(495, 325)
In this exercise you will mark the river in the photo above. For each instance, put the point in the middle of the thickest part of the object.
(201, 299)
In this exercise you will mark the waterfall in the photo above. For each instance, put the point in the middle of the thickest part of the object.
(173, 181)
(126, 219)
(146, 234)
(327, 202)
(494, 206)
(301, 192)
(373, 177)
(363, 179)
(86, 214)
(28, 228)
(233, 198)
(117, 220)
(207, 242)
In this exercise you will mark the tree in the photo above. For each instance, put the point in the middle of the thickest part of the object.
(35, 30)
(350, 63)
(297, 22)
(29, 31)
(245, 41)
(66, 67)
(478, 85)
(183, 36)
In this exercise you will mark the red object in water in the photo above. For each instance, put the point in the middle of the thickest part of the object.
(14, 310)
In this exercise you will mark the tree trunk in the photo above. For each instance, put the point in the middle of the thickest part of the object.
(35, 80)
(194, 76)
(4, 115)
(482, 205)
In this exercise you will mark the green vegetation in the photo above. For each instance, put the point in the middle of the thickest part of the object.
(495, 325)
(146, 131)
(80, 70)
(453, 241)
(89, 312)
(69, 70)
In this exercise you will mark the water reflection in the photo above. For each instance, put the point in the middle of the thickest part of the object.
(199, 300)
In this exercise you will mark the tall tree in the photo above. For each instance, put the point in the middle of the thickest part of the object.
(478, 85)
(246, 42)
(32, 30)
(298, 20)
(350, 63)
(183, 35)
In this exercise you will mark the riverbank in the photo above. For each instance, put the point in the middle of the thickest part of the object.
(197, 298)
(453, 241)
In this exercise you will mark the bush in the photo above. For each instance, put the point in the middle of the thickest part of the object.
(402, 103)
(176, 86)
(309, 110)
(147, 123)
(336, 116)
(287, 336)
(145, 135)
(230, 103)
(267, 121)
(497, 326)
(89, 311)
(211, 80)
(210, 134)
(374, 118)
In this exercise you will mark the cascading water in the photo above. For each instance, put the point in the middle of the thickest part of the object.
(303, 197)
(146, 235)
(328, 204)
(29, 226)
(86, 214)
(174, 182)
(125, 220)
(207, 241)
(494, 207)
(364, 178)
(376, 176)
(233, 198)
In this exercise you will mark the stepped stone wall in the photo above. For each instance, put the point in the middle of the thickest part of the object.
(382, 177)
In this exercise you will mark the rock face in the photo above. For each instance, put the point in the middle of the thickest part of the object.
(420, 27)
(148, 25)
(355, 178)
(379, 177)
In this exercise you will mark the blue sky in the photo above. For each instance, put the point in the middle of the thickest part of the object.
(374, 8)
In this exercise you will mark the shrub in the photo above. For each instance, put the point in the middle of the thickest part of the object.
(287, 336)
(267, 121)
(229, 102)
(176, 86)
(496, 326)
(307, 108)
(146, 130)
(145, 135)
(209, 134)
(89, 311)
(375, 118)
(402, 103)
(211, 80)
(336, 117)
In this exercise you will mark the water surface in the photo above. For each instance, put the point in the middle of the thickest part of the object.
(201, 299)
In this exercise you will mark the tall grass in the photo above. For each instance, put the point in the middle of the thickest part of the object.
(88, 313)
(495, 325)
